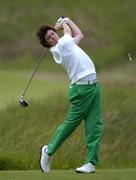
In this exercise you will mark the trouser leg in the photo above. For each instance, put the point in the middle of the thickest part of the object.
(84, 104)
(94, 128)
(61, 134)
(72, 120)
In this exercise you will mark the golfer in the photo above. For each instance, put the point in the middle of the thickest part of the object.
(84, 93)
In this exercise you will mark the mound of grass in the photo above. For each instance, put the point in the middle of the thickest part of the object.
(23, 131)
(118, 141)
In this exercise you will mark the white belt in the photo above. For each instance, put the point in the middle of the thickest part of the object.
(87, 82)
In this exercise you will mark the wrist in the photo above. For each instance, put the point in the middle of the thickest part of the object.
(62, 25)
(58, 26)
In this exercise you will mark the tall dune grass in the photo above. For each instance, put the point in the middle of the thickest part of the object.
(23, 131)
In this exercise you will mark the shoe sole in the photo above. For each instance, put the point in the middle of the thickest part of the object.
(40, 159)
(84, 172)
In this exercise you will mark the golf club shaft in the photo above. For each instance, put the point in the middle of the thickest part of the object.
(39, 62)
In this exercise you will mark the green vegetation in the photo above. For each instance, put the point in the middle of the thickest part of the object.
(109, 28)
(23, 131)
(110, 31)
(124, 174)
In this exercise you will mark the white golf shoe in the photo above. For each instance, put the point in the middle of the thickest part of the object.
(86, 168)
(45, 160)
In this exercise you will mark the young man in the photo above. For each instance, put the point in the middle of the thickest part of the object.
(84, 93)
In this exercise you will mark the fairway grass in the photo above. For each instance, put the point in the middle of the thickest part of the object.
(110, 174)
(14, 83)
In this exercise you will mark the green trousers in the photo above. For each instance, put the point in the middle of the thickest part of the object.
(85, 104)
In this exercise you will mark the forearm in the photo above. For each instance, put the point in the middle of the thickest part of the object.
(71, 28)
(64, 27)
(75, 29)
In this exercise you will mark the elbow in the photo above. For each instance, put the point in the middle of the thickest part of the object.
(78, 38)
(82, 36)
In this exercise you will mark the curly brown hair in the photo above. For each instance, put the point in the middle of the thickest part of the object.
(42, 32)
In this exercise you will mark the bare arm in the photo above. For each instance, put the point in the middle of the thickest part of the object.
(66, 29)
(63, 26)
(70, 28)
(76, 32)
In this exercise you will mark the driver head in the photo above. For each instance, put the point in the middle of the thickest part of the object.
(22, 102)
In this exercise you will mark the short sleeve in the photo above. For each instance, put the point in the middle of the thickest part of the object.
(66, 43)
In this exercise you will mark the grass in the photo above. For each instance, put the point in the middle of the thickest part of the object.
(108, 27)
(15, 81)
(23, 131)
(110, 33)
(118, 174)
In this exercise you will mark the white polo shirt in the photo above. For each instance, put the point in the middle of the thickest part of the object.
(74, 60)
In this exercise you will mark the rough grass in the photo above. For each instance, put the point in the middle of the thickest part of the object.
(23, 131)
(118, 174)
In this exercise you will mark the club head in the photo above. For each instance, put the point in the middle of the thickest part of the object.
(22, 102)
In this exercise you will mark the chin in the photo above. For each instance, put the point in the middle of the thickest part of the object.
(55, 42)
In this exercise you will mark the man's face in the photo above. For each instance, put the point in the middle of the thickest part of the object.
(52, 37)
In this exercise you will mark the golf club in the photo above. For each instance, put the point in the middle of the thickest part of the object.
(22, 102)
